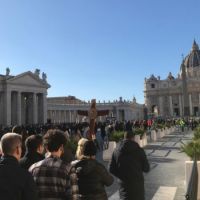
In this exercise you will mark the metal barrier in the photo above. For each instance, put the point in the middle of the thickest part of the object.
(192, 189)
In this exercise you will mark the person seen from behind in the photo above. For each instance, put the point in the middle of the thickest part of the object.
(52, 175)
(34, 151)
(128, 163)
(15, 183)
(92, 175)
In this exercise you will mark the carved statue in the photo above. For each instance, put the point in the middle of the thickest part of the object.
(37, 72)
(44, 76)
(93, 113)
(7, 71)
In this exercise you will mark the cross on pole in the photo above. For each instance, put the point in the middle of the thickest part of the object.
(93, 113)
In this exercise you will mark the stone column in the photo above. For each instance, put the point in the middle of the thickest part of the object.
(59, 116)
(19, 108)
(180, 105)
(190, 104)
(112, 114)
(70, 116)
(125, 115)
(117, 115)
(160, 106)
(73, 116)
(35, 109)
(53, 116)
(44, 108)
(65, 116)
(171, 106)
(8, 107)
(49, 114)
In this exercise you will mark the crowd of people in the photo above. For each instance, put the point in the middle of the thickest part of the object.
(37, 163)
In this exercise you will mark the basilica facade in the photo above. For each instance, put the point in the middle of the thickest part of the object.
(176, 96)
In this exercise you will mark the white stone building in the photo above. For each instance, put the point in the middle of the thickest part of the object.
(176, 97)
(64, 109)
(23, 98)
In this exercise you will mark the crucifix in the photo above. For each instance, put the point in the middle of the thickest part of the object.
(93, 113)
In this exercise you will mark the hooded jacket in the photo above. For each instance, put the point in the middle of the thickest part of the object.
(92, 177)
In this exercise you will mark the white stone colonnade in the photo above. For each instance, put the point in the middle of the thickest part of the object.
(21, 107)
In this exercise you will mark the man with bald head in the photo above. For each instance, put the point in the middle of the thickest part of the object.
(15, 183)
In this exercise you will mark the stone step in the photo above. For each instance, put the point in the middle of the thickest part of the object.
(163, 193)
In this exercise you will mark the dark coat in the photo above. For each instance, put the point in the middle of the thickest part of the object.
(128, 164)
(15, 183)
(30, 158)
(92, 177)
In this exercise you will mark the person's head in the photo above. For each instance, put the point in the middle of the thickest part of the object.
(129, 135)
(77, 136)
(11, 144)
(89, 149)
(34, 143)
(54, 141)
(79, 151)
(17, 129)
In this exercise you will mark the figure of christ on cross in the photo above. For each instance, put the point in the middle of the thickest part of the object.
(93, 113)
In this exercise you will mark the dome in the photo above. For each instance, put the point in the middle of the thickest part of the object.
(193, 59)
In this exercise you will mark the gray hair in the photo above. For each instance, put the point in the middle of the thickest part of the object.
(9, 143)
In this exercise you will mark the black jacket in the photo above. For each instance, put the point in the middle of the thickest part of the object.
(128, 164)
(15, 183)
(92, 177)
(30, 158)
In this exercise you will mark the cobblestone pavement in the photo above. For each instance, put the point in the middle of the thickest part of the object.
(167, 167)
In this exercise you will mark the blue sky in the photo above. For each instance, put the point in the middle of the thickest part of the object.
(99, 49)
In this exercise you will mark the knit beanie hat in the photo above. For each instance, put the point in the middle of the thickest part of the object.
(89, 148)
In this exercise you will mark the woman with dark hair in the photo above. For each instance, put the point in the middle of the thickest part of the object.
(34, 151)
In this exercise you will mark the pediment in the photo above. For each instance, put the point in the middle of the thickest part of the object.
(28, 79)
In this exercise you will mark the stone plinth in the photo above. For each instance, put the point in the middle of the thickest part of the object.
(137, 139)
(153, 135)
(188, 171)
